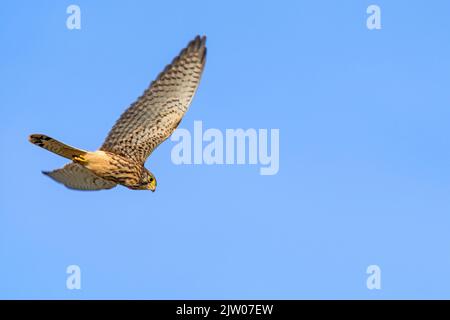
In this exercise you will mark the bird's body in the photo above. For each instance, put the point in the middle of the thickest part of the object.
(113, 167)
(141, 128)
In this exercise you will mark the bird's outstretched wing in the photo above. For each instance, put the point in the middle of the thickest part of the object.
(75, 176)
(156, 114)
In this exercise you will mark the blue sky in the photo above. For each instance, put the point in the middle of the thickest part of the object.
(364, 173)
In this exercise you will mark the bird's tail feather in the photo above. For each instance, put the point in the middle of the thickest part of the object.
(55, 146)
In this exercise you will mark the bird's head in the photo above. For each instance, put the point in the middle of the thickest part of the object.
(147, 181)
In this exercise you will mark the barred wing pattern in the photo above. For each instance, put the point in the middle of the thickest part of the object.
(156, 114)
(75, 176)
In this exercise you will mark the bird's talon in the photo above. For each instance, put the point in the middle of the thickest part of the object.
(79, 159)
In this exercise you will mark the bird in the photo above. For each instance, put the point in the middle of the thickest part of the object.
(147, 122)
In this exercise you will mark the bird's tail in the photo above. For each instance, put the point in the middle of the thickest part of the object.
(55, 146)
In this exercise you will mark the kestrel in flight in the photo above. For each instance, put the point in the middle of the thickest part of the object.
(141, 128)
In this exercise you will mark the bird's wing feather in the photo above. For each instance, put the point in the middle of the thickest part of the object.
(156, 114)
(75, 176)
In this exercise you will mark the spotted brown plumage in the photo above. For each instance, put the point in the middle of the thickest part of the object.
(156, 114)
(141, 128)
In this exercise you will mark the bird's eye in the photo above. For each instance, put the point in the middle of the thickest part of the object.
(151, 179)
